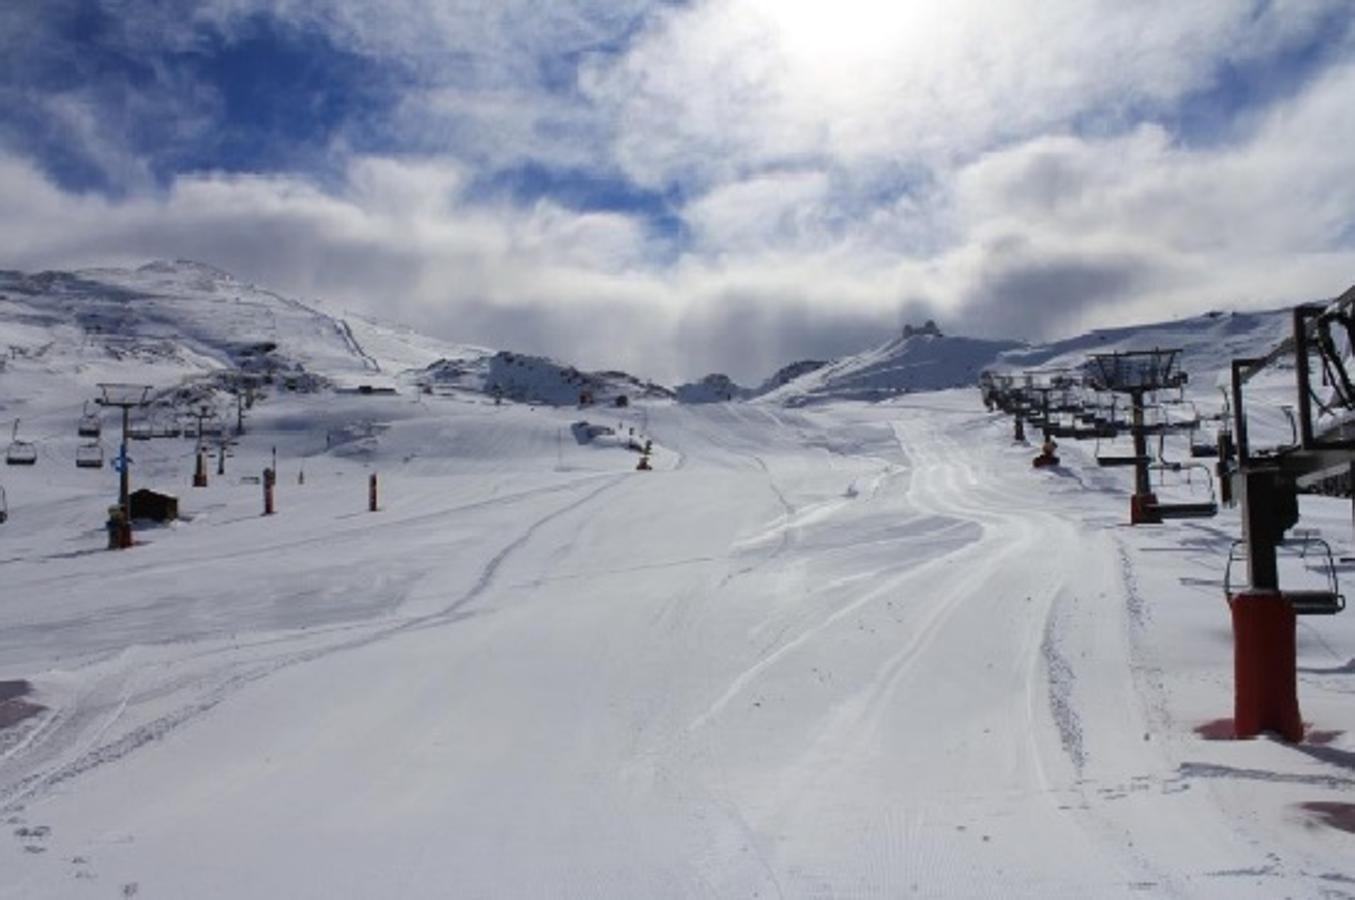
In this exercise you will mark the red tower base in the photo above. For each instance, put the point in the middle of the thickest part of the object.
(1143, 510)
(1265, 679)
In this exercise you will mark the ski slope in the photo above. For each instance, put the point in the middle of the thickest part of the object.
(843, 650)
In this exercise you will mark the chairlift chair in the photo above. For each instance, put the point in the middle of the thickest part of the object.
(140, 430)
(20, 453)
(89, 456)
(1107, 459)
(1202, 448)
(90, 426)
(1306, 602)
(1187, 509)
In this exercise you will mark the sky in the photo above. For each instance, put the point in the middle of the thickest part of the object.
(681, 187)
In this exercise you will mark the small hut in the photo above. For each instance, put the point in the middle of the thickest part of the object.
(153, 505)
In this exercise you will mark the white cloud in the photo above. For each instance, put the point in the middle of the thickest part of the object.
(837, 170)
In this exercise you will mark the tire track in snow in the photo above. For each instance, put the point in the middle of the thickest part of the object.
(14, 796)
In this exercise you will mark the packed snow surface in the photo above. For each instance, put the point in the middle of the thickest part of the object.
(854, 649)
(840, 649)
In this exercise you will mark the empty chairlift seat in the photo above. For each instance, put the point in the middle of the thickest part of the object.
(20, 453)
(140, 430)
(1315, 603)
(1111, 460)
(1197, 507)
(89, 456)
(90, 426)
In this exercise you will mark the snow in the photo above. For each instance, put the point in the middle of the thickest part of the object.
(713, 388)
(833, 649)
(921, 361)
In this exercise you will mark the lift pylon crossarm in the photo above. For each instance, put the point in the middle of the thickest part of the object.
(1135, 371)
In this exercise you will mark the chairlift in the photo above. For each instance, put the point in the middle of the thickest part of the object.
(89, 456)
(1326, 601)
(140, 430)
(1108, 459)
(1202, 447)
(90, 425)
(1183, 509)
(20, 453)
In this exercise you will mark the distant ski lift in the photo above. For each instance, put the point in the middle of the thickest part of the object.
(90, 426)
(168, 427)
(140, 430)
(20, 453)
(89, 456)
(126, 395)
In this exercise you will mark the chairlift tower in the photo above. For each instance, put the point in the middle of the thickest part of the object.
(124, 397)
(1138, 373)
(202, 413)
(1267, 482)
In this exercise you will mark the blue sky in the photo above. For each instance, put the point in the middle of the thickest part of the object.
(815, 173)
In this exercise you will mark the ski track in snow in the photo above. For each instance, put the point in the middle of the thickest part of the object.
(95, 754)
(831, 652)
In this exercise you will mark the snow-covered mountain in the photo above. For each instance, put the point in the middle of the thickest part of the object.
(536, 379)
(924, 360)
(169, 321)
(916, 362)
(713, 388)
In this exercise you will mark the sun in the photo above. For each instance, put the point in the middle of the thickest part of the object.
(836, 30)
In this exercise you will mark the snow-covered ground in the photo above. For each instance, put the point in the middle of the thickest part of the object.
(843, 650)
(826, 648)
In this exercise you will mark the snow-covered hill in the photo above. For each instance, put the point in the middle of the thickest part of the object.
(917, 362)
(167, 321)
(1208, 343)
(536, 379)
(924, 361)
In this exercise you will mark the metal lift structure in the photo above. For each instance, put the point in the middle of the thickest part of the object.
(1267, 481)
(1139, 374)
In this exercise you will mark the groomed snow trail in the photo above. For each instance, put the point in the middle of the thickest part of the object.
(845, 651)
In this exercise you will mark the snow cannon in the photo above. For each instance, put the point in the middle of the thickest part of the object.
(1047, 455)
